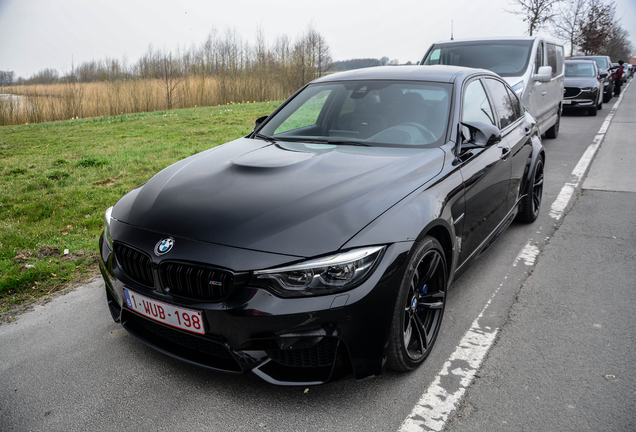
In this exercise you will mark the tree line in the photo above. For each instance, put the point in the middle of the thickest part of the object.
(291, 63)
(590, 27)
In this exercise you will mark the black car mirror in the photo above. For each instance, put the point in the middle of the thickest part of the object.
(481, 134)
(259, 121)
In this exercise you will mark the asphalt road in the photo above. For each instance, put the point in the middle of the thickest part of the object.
(66, 366)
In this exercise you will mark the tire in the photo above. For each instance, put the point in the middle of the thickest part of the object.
(531, 202)
(600, 105)
(607, 96)
(419, 307)
(592, 111)
(553, 132)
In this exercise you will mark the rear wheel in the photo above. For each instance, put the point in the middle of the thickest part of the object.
(419, 308)
(531, 202)
(553, 132)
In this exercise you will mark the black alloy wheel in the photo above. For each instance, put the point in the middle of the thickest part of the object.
(419, 308)
(531, 202)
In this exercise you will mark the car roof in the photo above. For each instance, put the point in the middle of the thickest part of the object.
(490, 39)
(434, 73)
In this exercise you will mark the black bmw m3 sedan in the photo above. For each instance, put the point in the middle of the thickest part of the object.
(322, 245)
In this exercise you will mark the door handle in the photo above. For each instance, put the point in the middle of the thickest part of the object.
(544, 93)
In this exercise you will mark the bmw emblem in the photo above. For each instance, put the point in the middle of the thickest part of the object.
(164, 246)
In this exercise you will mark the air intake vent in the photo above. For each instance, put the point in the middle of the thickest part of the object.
(135, 264)
(196, 282)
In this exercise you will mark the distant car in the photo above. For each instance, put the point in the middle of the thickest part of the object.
(605, 68)
(583, 86)
(533, 67)
(323, 244)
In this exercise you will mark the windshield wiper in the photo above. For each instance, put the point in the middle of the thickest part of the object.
(348, 142)
(265, 137)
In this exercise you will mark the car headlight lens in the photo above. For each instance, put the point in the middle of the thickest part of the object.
(324, 275)
(107, 218)
(588, 89)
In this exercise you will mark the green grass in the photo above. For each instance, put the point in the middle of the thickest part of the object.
(57, 179)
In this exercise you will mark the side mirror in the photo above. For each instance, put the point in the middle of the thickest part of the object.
(259, 121)
(603, 75)
(544, 74)
(481, 134)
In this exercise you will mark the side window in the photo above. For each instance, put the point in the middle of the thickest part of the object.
(476, 107)
(538, 61)
(516, 103)
(552, 59)
(507, 114)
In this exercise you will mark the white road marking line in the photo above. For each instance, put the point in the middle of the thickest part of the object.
(435, 406)
(563, 199)
(432, 410)
(528, 254)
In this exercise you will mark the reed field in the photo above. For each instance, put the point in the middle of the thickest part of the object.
(53, 102)
(58, 178)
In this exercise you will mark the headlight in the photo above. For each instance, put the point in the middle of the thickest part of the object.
(107, 218)
(325, 275)
(588, 89)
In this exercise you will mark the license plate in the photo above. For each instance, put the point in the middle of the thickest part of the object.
(567, 102)
(185, 319)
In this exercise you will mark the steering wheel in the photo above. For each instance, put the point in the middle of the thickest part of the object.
(426, 133)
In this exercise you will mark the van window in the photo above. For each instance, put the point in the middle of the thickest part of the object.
(555, 59)
(508, 58)
(538, 61)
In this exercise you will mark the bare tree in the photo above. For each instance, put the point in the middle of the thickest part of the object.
(566, 23)
(597, 27)
(618, 46)
(536, 13)
(170, 77)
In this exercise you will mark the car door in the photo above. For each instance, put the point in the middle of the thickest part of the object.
(510, 119)
(538, 91)
(485, 172)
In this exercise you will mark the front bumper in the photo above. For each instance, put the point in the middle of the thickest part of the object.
(285, 341)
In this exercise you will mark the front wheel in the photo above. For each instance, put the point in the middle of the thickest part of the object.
(419, 308)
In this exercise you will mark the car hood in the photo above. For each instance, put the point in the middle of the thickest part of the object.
(581, 82)
(288, 198)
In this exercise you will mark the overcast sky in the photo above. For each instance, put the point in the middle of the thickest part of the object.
(38, 34)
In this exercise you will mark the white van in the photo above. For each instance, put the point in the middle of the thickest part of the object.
(531, 65)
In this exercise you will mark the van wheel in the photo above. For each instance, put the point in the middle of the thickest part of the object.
(553, 132)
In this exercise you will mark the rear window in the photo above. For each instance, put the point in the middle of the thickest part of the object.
(506, 58)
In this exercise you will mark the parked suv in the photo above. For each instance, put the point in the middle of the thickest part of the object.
(605, 69)
(531, 65)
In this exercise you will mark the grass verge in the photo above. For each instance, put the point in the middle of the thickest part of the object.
(57, 179)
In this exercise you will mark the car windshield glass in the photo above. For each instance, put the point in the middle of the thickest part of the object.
(506, 58)
(368, 113)
(579, 70)
(600, 61)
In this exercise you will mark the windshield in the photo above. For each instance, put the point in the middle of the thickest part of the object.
(370, 113)
(507, 58)
(601, 62)
(579, 70)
